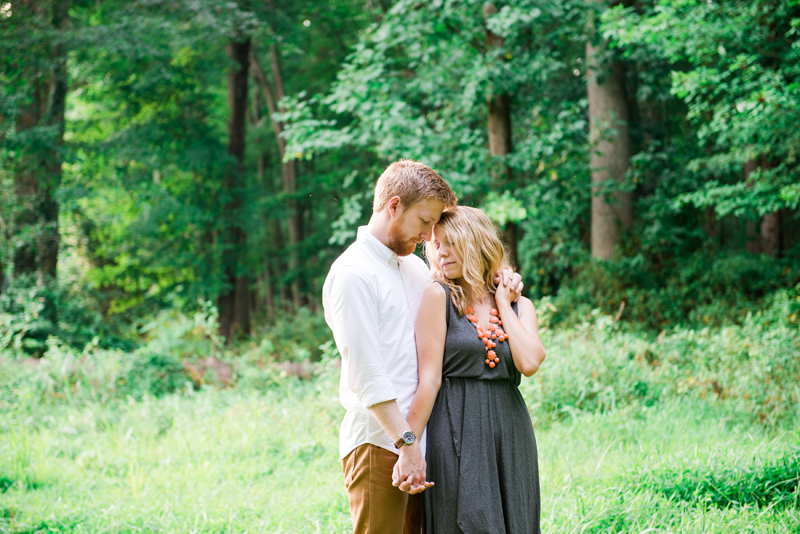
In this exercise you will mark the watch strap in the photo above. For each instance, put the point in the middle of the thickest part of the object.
(404, 440)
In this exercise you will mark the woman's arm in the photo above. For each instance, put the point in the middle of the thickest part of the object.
(431, 330)
(523, 331)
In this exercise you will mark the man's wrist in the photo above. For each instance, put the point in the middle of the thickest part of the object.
(405, 449)
(406, 438)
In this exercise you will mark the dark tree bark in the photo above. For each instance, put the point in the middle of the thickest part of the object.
(288, 168)
(771, 233)
(499, 110)
(234, 302)
(26, 182)
(771, 238)
(609, 141)
(264, 281)
(49, 238)
(764, 236)
(39, 175)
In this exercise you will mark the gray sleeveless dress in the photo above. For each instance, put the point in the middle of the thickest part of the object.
(481, 451)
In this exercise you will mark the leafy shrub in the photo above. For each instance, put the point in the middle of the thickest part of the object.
(23, 327)
(97, 373)
(25, 324)
(597, 366)
(152, 373)
(701, 290)
(590, 368)
(184, 335)
(297, 334)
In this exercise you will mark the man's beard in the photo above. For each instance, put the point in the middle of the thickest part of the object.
(398, 243)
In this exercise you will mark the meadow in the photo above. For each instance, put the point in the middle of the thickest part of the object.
(632, 437)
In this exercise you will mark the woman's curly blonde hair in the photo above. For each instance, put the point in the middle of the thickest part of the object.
(482, 254)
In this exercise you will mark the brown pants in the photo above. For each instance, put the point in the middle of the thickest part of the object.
(378, 507)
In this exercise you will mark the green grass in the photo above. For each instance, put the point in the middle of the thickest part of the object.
(687, 432)
(248, 461)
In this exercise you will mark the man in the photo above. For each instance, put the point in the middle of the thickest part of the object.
(371, 297)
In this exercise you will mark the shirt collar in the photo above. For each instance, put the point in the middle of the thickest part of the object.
(375, 246)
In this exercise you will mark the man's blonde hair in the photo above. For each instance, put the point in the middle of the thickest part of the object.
(478, 245)
(413, 182)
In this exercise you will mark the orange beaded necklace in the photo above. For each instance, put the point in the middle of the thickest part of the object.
(490, 337)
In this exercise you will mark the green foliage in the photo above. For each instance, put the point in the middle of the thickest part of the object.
(774, 484)
(751, 369)
(709, 86)
(25, 327)
(209, 460)
(703, 289)
(21, 325)
(184, 334)
(296, 335)
(93, 375)
(736, 68)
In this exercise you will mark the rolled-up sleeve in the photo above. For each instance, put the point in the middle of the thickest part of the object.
(351, 309)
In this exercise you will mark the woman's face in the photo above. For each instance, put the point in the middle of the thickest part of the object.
(447, 257)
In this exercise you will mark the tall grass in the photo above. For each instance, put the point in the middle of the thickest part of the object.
(251, 461)
(690, 431)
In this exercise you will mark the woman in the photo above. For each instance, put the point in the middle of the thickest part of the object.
(473, 344)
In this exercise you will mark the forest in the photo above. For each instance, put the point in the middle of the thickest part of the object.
(177, 177)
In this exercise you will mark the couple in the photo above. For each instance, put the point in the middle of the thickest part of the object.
(433, 356)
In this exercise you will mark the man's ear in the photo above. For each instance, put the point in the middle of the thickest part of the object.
(394, 205)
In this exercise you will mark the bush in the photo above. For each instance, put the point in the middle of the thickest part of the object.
(297, 334)
(151, 373)
(30, 314)
(702, 290)
(597, 366)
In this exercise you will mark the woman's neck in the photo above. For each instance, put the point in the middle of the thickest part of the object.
(476, 299)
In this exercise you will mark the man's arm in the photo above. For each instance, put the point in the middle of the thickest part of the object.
(351, 308)
(409, 471)
(431, 330)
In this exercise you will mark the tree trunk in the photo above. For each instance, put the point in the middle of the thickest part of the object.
(771, 233)
(752, 244)
(771, 238)
(499, 110)
(764, 236)
(288, 168)
(26, 183)
(709, 223)
(233, 303)
(609, 140)
(39, 175)
(264, 281)
(48, 241)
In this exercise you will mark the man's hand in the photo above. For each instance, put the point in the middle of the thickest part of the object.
(409, 471)
(511, 280)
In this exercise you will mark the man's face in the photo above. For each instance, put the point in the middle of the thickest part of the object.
(413, 225)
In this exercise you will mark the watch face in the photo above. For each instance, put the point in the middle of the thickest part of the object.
(408, 437)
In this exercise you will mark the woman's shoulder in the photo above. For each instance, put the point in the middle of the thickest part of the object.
(525, 304)
(433, 304)
(435, 290)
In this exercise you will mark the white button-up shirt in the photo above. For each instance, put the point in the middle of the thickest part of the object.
(371, 298)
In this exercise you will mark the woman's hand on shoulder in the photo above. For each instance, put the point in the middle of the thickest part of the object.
(507, 277)
(504, 294)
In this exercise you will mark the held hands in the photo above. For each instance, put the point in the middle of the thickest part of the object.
(409, 472)
(509, 286)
